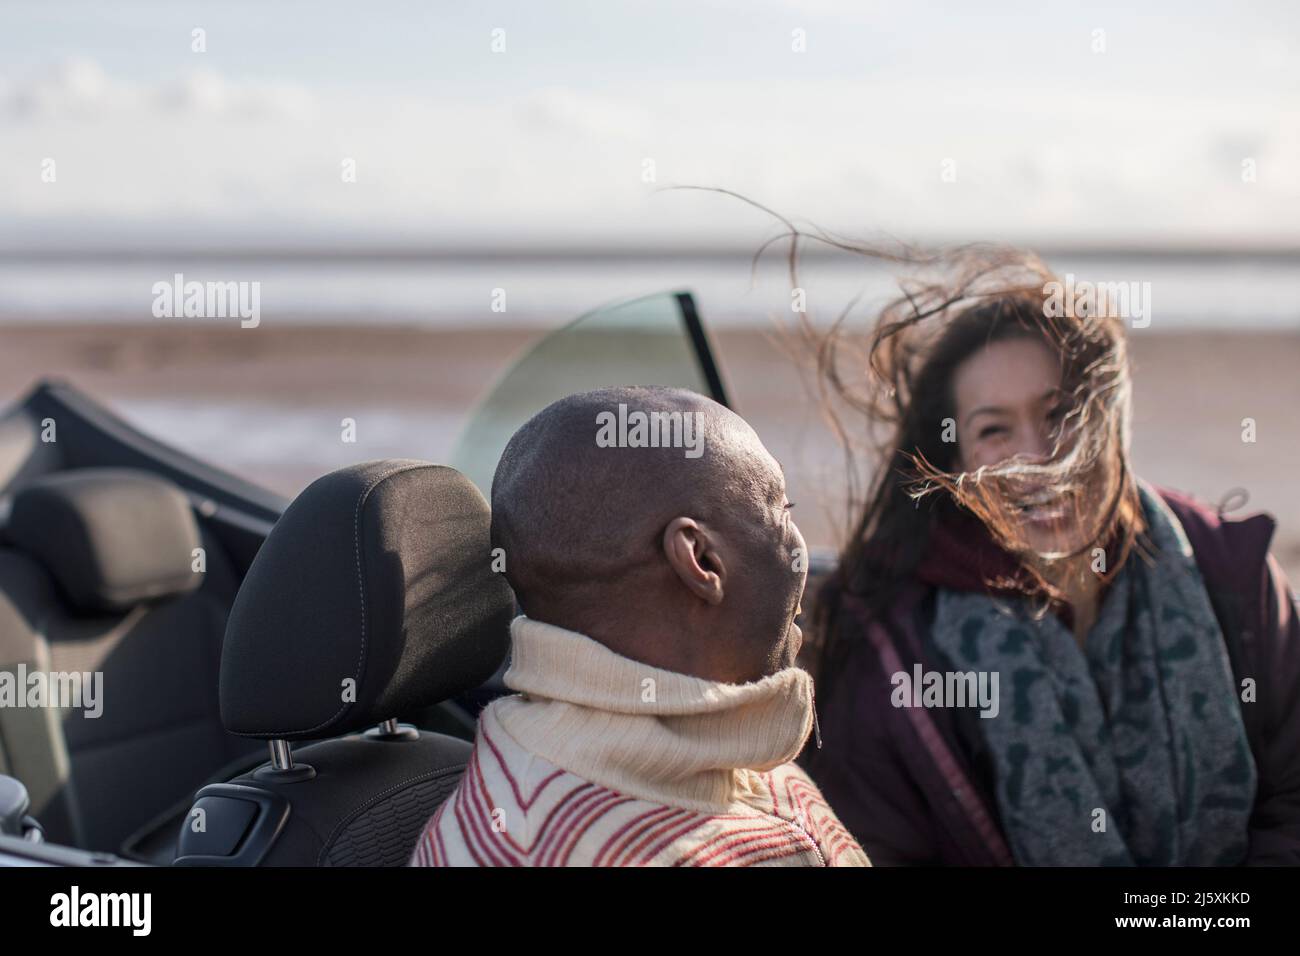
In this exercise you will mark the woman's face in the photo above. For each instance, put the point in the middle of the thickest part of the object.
(1008, 403)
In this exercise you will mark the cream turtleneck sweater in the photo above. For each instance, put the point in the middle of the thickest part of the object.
(603, 760)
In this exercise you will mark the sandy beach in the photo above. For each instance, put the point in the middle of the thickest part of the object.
(267, 403)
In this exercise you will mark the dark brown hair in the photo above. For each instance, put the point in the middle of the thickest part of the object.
(892, 386)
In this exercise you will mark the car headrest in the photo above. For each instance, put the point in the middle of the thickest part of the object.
(372, 598)
(111, 538)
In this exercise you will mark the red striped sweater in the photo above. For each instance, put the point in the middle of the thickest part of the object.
(583, 770)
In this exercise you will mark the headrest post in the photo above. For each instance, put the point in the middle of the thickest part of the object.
(283, 769)
(281, 755)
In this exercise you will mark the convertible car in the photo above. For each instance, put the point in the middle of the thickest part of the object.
(196, 671)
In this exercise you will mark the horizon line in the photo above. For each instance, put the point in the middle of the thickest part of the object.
(415, 253)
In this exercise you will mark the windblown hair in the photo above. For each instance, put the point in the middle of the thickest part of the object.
(893, 386)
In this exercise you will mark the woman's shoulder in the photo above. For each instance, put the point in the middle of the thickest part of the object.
(871, 639)
(1230, 550)
(1248, 590)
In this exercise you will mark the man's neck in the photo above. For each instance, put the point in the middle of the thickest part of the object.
(699, 648)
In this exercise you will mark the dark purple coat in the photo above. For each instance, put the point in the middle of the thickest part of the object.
(910, 791)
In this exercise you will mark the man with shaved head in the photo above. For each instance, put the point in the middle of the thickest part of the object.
(648, 539)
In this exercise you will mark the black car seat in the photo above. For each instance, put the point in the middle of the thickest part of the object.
(372, 599)
(99, 574)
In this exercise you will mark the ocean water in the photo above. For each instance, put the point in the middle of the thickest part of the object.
(1201, 292)
(285, 447)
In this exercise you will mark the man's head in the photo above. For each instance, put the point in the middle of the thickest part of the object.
(654, 521)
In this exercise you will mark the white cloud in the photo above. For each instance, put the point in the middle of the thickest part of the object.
(197, 152)
(75, 90)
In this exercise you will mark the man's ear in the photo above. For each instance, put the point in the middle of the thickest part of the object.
(693, 556)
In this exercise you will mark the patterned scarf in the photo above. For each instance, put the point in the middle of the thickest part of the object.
(1129, 751)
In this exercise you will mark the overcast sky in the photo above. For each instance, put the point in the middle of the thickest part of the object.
(1044, 138)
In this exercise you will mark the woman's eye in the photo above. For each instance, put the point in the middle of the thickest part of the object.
(988, 431)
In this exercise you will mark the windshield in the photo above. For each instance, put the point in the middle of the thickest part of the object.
(655, 340)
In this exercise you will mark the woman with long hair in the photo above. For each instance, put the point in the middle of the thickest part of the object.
(1028, 655)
